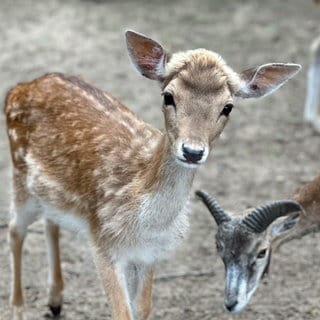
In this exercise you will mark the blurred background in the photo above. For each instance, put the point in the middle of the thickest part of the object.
(265, 153)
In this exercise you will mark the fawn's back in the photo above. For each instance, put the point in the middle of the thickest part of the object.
(75, 147)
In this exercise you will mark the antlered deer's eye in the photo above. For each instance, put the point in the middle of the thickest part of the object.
(227, 109)
(262, 253)
(168, 99)
(219, 246)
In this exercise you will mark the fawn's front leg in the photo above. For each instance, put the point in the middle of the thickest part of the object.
(139, 283)
(145, 298)
(115, 285)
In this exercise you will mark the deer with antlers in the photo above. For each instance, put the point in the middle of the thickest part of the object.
(245, 240)
(82, 159)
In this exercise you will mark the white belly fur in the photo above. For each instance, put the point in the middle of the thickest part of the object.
(161, 229)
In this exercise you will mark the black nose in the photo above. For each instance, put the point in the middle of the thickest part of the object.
(192, 155)
(231, 305)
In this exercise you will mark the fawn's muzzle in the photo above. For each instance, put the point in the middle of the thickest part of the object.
(192, 155)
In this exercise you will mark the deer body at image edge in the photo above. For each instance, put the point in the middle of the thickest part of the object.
(312, 100)
(82, 159)
(312, 103)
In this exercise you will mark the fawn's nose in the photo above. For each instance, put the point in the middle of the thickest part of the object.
(192, 155)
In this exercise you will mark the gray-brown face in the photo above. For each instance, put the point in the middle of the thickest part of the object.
(246, 258)
(244, 245)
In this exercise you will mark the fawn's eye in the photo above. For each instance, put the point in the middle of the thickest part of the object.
(168, 99)
(262, 253)
(227, 109)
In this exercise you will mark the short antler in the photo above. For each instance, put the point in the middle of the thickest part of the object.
(261, 217)
(217, 212)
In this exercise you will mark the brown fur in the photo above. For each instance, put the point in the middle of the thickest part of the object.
(58, 145)
(77, 138)
(308, 196)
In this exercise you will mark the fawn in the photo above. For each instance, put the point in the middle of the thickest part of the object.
(82, 159)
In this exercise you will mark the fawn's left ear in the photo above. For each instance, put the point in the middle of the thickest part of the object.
(147, 55)
(263, 80)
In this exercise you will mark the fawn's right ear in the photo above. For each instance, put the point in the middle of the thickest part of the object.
(263, 80)
(147, 55)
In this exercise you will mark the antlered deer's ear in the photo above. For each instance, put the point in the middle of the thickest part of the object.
(282, 226)
(147, 55)
(263, 80)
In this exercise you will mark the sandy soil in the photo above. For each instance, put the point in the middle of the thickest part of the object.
(265, 152)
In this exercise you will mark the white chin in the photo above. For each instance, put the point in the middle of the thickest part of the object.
(243, 302)
(188, 165)
(239, 307)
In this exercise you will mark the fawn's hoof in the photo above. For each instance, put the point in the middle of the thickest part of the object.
(56, 310)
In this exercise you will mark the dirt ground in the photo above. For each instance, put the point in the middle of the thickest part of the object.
(265, 152)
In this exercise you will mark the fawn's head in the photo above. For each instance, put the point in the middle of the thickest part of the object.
(198, 90)
(244, 244)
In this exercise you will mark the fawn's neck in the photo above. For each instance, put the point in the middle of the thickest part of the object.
(168, 186)
(164, 171)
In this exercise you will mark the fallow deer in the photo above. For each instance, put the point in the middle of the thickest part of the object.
(245, 241)
(311, 111)
(81, 158)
